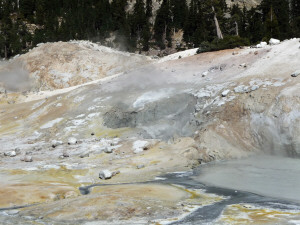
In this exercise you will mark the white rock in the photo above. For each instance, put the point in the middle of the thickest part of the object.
(254, 87)
(12, 212)
(72, 141)
(244, 65)
(105, 174)
(10, 154)
(140, 166)
(139, 146)
(274, 41)
(55, 143)
(296, 73)
(261, 44)
(108, 150)
(28, 158)
(225, 93)
(241, 89)
(204, 74)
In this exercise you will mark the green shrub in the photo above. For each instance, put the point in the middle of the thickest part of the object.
(228, 42)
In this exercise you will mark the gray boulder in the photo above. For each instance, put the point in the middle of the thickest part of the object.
(105, 174)
(28, 158)
(225, 93)
(56, 143)
(296, 73)
(115, 173)
(84, 155)
(140, 166)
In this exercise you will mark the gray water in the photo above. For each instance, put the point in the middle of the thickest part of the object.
(265, 181)
(271, 176)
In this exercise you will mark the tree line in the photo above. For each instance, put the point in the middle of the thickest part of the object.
(208, 24)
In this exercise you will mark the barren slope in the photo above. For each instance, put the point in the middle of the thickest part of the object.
(65, 64)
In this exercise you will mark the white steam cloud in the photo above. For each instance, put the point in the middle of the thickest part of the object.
(14, 77)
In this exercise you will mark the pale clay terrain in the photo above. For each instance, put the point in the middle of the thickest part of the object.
(154, 116)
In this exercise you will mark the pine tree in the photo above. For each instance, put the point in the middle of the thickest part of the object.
(179, 12)
(271, 25)
(162, 26)
(149, 8)
(278, 9)
(256, 27)
(295, 17)
(103, 20)
(27, 7)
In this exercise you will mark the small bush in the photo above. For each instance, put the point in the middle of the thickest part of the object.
(228, 42)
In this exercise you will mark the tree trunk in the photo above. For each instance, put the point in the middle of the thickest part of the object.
(236, 28)
(5, 52)
(219, 32)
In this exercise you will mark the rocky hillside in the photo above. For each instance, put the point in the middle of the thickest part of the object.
(65, 64)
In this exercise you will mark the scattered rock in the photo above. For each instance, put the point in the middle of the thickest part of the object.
(115, 173)
(140, 166)
(296, 73)
(262, 44)
(254, 87)
(256, 53)
(222, 67)
(11, 102)
(92, 133)
(84, 155)
(274, 41)
(56, 143)
(28, 158)
(140, 146)
(12, 212)
(108, 150)
(213, 68)
(72, 141)
(10, 154)
(105, 174)
(66, 155)
(243, 65)
(37, 148)
(241, 89)
(204, 74)
(225, 93)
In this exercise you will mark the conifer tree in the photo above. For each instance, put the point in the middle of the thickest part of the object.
(162, 26)
(295, 17)
(149, 8)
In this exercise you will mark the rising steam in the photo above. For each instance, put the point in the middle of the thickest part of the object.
(14, 77)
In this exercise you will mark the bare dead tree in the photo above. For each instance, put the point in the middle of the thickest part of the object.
(219, 32)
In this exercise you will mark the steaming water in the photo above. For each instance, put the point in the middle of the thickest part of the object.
(271, 176)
